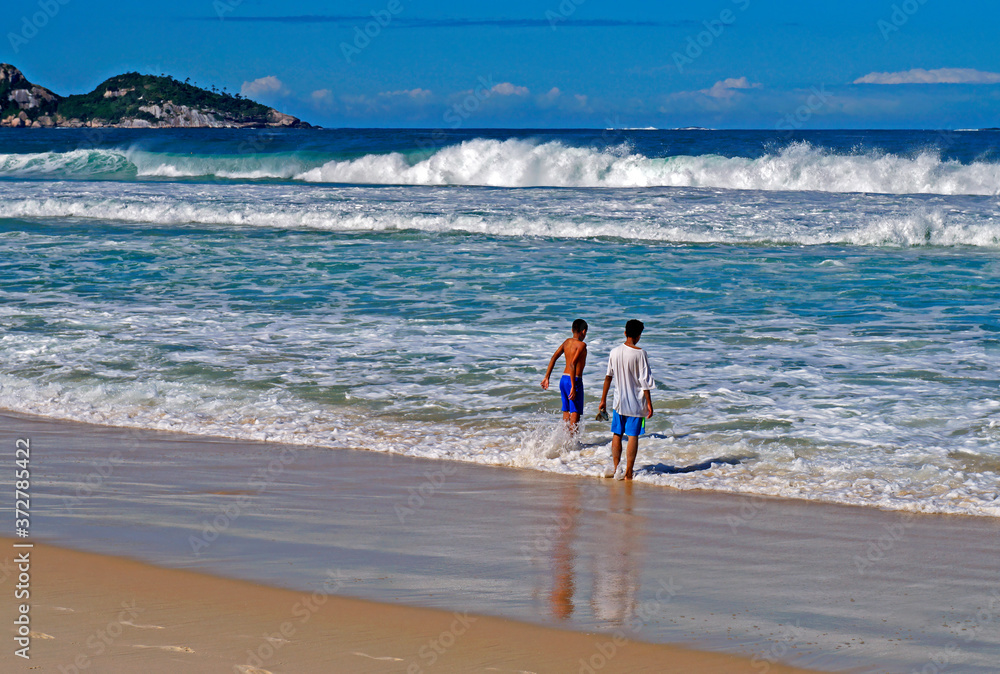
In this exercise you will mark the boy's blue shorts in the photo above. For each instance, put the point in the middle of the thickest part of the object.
(632, 426)
(576, 404)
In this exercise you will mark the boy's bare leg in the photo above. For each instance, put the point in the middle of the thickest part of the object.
(570, 420)
(632, 450)
(616, 450)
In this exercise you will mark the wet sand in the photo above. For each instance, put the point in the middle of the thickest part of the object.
(826, 587)
(98, 613)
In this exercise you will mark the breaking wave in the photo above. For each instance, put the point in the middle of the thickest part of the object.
(524, 163)
(680, 218)
(798, 167)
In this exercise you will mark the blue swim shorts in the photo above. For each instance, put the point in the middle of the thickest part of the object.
(627, 425)
(576, 404)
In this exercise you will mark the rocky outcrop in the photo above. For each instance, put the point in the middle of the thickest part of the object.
(21, 102)
(117, 93)
(172, 115)
(275, 118)
(167, 115)
(131, 101)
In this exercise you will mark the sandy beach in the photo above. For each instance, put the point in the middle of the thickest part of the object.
(98, 613)
(551, 567)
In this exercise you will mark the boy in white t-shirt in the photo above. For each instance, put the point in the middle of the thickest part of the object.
(628, 366)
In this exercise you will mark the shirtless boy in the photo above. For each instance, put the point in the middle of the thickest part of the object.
(628, 367)
(571, 384)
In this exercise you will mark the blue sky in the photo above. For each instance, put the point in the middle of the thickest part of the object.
(554, 63)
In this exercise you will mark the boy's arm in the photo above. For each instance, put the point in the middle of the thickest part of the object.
(646, 380)
(552, 364)
(604, 394)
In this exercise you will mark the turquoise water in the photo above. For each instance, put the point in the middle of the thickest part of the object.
(821, 312)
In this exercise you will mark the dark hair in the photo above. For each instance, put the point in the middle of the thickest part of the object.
(634, 328)
(580, 325)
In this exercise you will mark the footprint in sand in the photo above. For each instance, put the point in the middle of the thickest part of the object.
(172, 649)
(40, 635)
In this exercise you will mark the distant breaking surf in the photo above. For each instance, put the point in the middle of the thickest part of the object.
(797, 167)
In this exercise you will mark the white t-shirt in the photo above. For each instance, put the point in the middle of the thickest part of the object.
(629, 367)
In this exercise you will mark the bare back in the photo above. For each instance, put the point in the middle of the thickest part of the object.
(575, 352)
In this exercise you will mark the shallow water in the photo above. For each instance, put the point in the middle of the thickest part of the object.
(822, 316)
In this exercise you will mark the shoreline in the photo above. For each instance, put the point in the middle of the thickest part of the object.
(724, 493)
(91, 610)
(822, 586)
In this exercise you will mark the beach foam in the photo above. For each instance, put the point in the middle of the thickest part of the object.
(900, 479)
(347, 342)
(679, 215)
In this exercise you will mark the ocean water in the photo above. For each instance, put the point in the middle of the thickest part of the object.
(821, 310)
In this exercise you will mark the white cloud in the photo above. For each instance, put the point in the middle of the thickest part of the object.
(508, 89)
(321, 100)
(728, 87)
(939, 76)
(264, 86)
(556, 99)
(417, 94)
(550, 98)
(722, 95)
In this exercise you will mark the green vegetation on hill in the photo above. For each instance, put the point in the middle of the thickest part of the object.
(117, 102)
(143, 90)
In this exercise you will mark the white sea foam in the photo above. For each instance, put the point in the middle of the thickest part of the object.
(680, 215)
(906, 481)
(798, 167)
(837, 382)
(853, 375)
(523, 163)
(925, 227)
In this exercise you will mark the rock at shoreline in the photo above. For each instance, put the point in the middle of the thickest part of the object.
(22, 102)
(132, 101)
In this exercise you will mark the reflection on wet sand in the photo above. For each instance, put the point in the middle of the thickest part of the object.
(617, 559)
(563, 585)
(607, 531)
